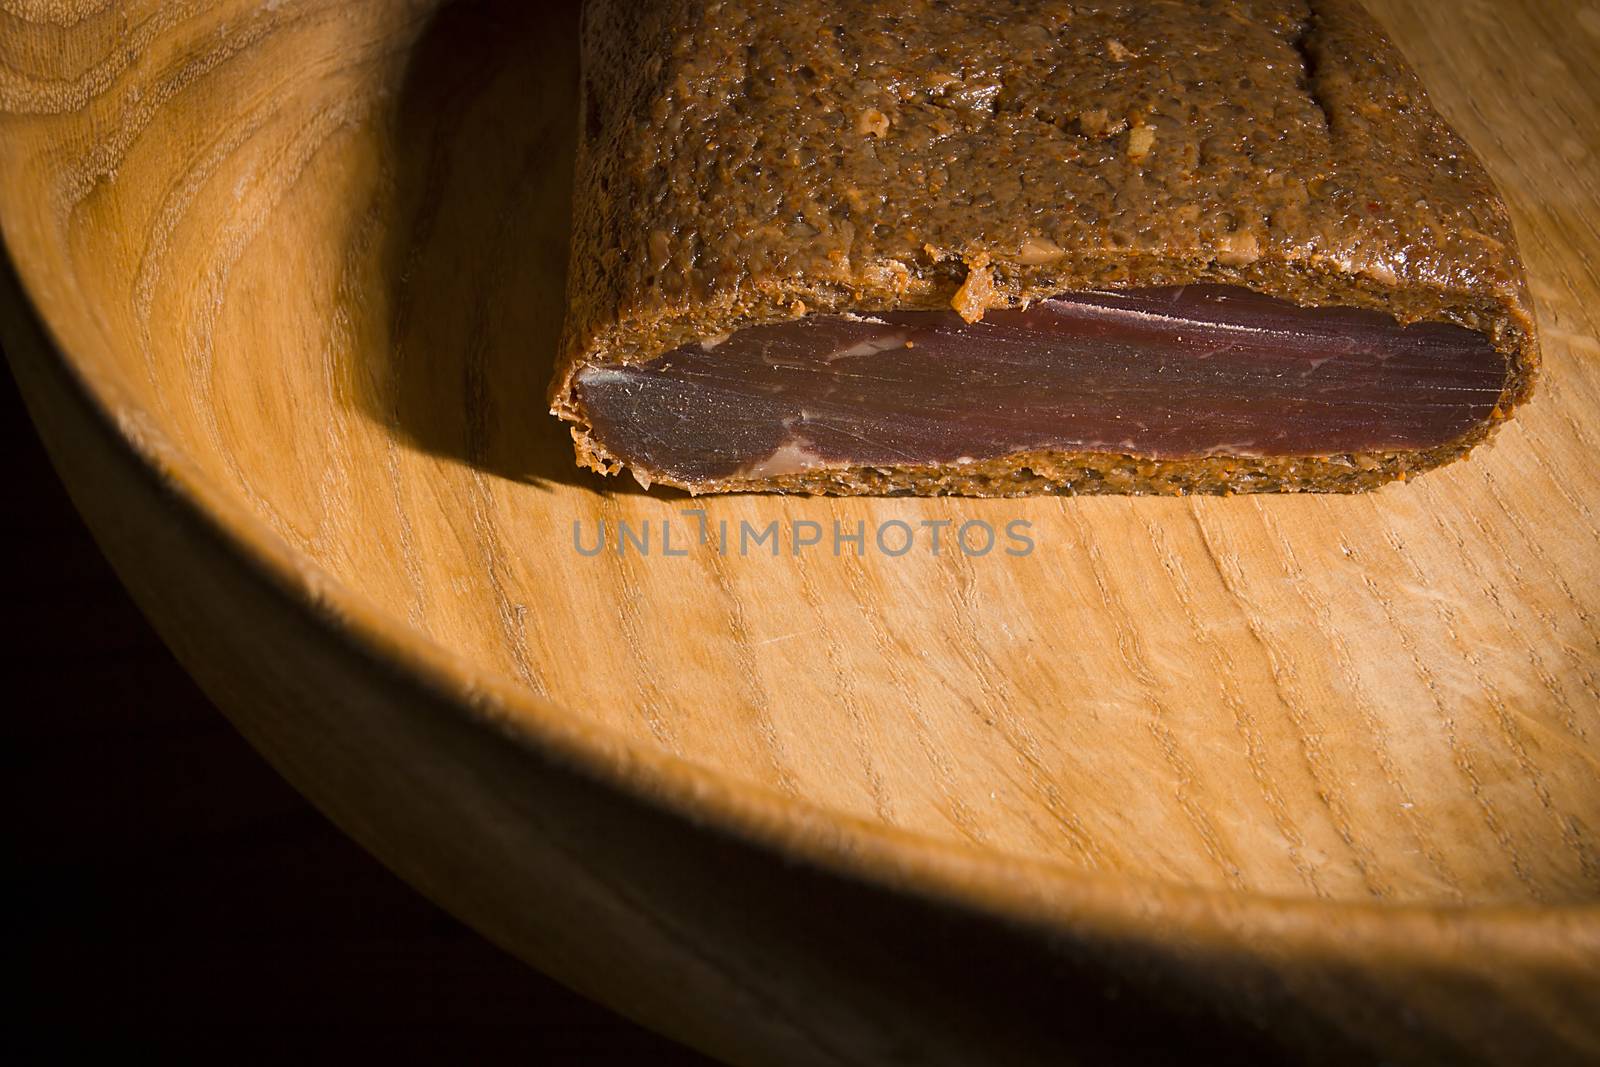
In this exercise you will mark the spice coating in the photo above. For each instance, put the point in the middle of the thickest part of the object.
(740, 165)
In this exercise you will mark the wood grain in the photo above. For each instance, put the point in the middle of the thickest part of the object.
(307, 258)
(178, 893)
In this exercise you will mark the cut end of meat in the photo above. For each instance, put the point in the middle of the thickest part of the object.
(1207, 377)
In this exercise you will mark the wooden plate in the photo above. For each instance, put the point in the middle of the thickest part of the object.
(1294, 774)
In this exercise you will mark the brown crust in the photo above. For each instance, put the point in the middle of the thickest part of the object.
(739, 166)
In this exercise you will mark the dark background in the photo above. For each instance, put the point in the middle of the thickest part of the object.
(168, 887)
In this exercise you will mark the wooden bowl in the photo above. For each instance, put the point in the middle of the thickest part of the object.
(1288, 775)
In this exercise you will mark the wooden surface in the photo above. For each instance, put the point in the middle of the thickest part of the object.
(176, 892)
(308, 258)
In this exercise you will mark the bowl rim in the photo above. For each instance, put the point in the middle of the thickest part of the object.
(1042, 893)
